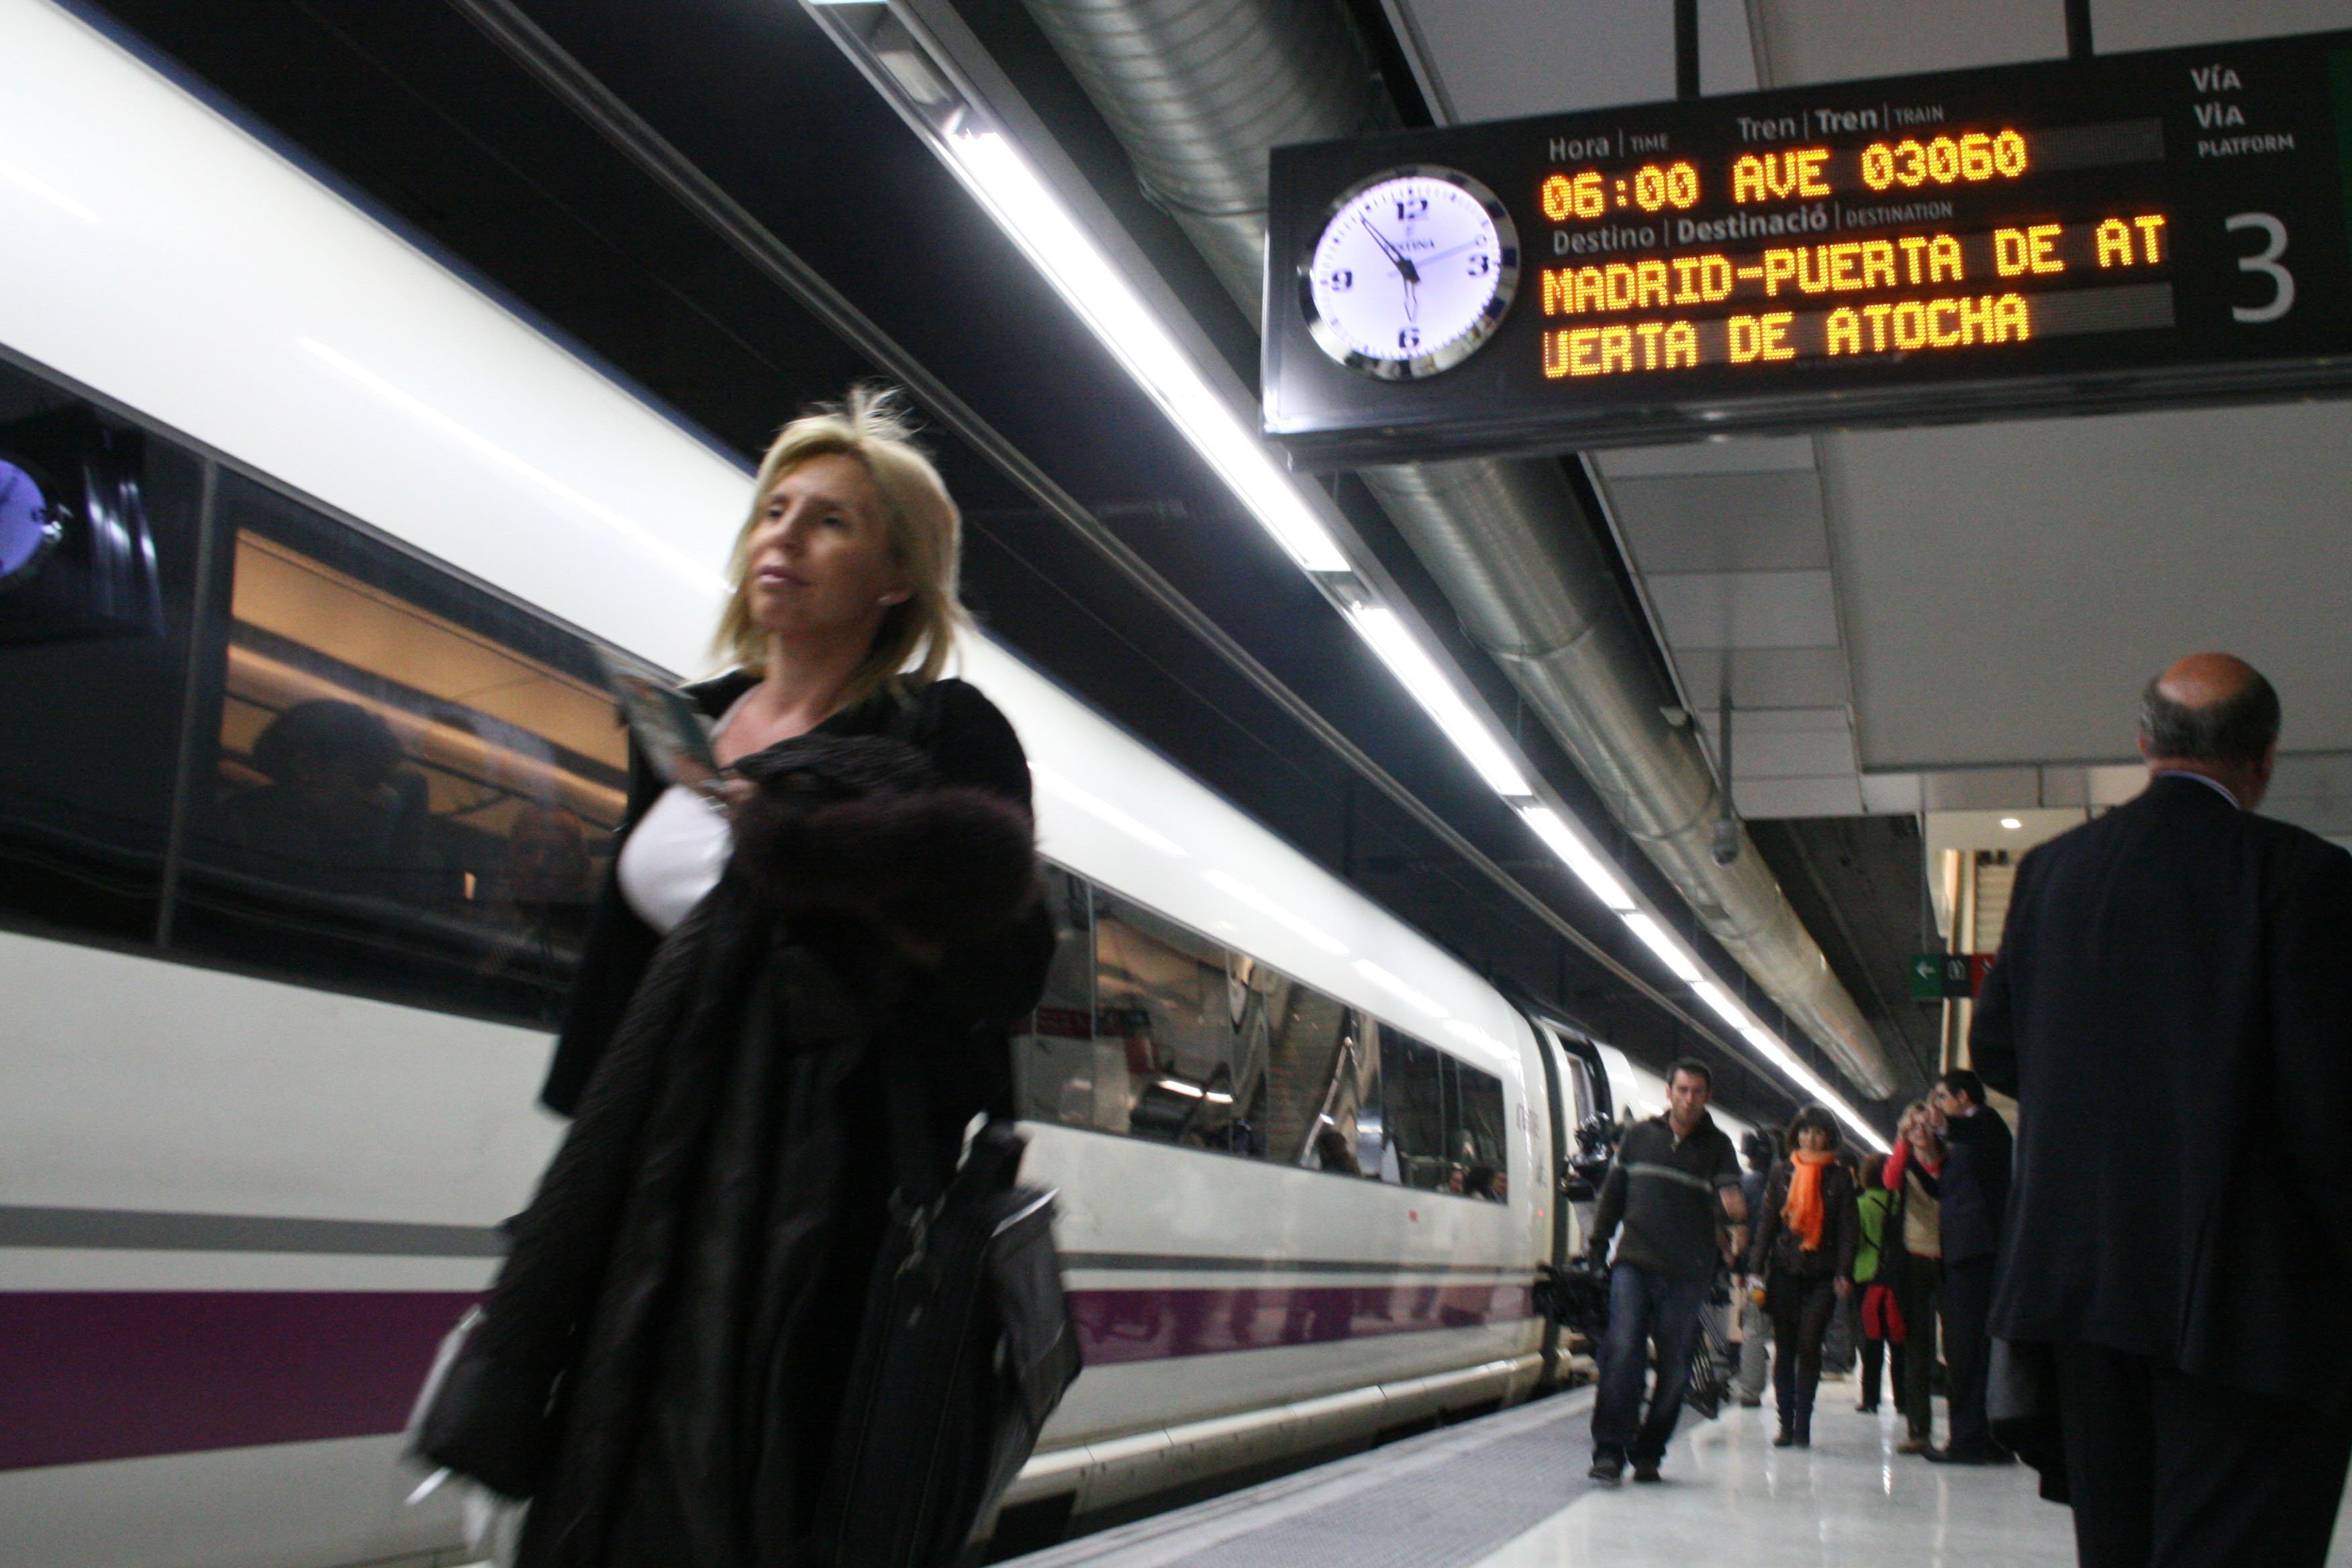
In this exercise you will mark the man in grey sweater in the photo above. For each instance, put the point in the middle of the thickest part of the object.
(1670, 1176)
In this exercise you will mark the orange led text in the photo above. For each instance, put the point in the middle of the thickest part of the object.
(1856, 264)
(1761, 337)
(1779, 176)
(1928, 324)
(1944, 160)
(1620, 347)
(2017, 251)
(2116, 237)
(1636, 285)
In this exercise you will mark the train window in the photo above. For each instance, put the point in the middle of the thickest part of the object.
(1320, 1079)
(99, 529)
(1150, 1029)
(1479, 1130)
(1065, 1074)
(1171, 1005)
(411, 785)
(1412, 1083)
(1444, 1120)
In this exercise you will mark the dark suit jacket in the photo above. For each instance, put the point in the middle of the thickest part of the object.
(2172, 1008)
(1975, 1185)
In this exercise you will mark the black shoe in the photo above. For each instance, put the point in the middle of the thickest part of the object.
(1787, 1440)
(1606, 1467)
(1866, 1410)
(1748, 1403)
(1645, 1471)
(1949, 1456)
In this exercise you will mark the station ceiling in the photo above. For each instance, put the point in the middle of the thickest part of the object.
(1961, 616)
(1905, 622)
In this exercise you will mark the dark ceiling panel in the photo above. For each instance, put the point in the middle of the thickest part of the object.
(1859, 883)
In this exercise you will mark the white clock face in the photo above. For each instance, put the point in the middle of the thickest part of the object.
(1412, 272)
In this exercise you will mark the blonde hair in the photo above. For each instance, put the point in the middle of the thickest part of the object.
(916, 636)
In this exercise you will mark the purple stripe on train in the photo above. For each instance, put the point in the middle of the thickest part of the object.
(115, 1375)
(1117, 1326)
(88, 1376)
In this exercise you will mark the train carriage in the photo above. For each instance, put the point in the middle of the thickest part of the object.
(308, 779)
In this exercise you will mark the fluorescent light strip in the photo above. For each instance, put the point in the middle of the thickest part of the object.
(1411, 664)
(1774, 1050)
(1670, 951)
(1102, 811)
(1069, 258)
(466, 435)
(1708, 992)
(1395, 987)
(1591, 869)
(1242, 892)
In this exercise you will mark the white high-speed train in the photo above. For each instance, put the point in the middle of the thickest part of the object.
(304, 778)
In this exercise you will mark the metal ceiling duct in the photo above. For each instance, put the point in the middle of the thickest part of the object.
(1197, 91)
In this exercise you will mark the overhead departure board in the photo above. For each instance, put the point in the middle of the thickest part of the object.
(2125, 231)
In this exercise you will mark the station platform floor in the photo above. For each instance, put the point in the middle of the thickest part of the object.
(1509, 1491)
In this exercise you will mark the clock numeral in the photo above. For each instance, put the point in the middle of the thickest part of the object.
(1481, 265)
(1411, 207)
(1340, 282)
(1409, 337)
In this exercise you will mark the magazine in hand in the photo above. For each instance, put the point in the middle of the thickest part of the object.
(672, 731)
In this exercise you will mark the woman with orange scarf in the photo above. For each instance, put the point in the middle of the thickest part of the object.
(1804, 1251)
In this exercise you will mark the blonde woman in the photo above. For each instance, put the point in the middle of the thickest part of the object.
(800, 979)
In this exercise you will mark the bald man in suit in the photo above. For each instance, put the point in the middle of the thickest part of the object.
(2172, 1008)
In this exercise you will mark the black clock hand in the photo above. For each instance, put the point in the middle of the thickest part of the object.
(1394, 254)
(1411, 300)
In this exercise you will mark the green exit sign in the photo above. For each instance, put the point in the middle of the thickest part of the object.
(1945, 976)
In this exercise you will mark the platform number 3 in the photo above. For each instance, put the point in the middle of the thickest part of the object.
(2266, 263)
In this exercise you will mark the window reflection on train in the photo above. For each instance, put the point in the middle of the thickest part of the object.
(399, 787)
(99, 522)
(1155, 1031)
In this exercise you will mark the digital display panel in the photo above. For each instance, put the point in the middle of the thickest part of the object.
(2070, 237)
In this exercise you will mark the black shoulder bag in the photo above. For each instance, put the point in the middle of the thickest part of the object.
(967, 1345)
(967, 1348)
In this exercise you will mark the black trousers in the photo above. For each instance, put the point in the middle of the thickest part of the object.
(1919, 1291)
(1801, 1310)
(1967, 1348)
(2173, 1471)
(1877, 1353)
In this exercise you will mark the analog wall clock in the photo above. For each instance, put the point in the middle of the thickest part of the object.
(1412, 272)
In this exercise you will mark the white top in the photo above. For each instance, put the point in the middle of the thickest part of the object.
(676, 852)
(674, 856)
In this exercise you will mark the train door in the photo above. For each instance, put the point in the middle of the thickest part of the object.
(1573, 1096)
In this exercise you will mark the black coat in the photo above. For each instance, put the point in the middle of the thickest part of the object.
(1773, 1247)
(977, 988)
(969, 742)
(1974, 1185)
(660, 1366)
(2172, 1008)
